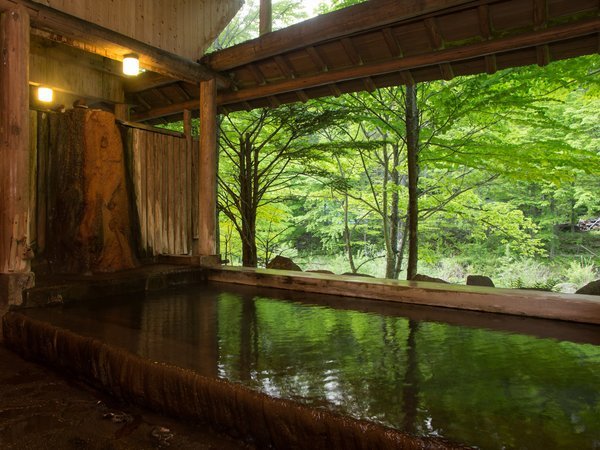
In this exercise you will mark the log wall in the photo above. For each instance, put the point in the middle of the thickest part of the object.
(163, 186)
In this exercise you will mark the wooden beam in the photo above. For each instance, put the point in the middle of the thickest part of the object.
(15, 253)
(485, 28)
(335, 90)
(284, 66)
(369, 84)
(141, 126)
(317, 59)
(266, 17)
(163, 111)
(543, 55)
(470, 51)
(344, 22)
(540, 13)
(257, 74)
(491, 66)
(207, 182)
(391, 42)
(67, 29)
(302, 96)
(435, 37)
(145, 81)
(274, 101)
(351, 52)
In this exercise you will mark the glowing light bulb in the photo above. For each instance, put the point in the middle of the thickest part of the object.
(45, 94)
(131, 65)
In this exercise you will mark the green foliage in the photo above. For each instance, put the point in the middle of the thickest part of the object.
(504, 160)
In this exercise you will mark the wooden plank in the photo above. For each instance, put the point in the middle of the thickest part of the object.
(178, 180)
(344, 22)
(480, 49)
(195, 186)
(156, 130)
(42, 180)
(14, 140)
(208, 166)
(164, 197)
(173, 200)
(547, 305)
(33, 176)
(138, 182)
(186, 193)
(151, 186)
(88, 36)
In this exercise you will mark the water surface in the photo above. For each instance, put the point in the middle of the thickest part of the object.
(484, 380)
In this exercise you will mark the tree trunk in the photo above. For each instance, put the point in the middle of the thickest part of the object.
(347, 234)
(247, 209)
(391, 271)
(412, 144)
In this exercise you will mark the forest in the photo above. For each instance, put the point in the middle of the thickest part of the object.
(494, 175)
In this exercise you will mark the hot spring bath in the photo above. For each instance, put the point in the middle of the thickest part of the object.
(471, 378)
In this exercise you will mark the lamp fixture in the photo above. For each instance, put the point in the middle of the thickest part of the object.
(131, 65)
(45, 94)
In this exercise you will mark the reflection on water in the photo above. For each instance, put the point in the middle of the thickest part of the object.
(492, 389)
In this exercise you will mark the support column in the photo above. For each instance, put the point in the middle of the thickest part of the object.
(15, 252)
(122, 111)
(266, 17)
(207, 183)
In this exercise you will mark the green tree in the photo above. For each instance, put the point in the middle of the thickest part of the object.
(263, 152)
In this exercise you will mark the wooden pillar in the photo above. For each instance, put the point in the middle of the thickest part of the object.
(15, 253)
(207, 183)
(266, 17)
(122, 111)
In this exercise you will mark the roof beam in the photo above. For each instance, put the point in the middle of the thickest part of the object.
(403, 65)
(67, 29)
(336, 24)
(480, 49)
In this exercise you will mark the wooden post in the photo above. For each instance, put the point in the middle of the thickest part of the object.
(266, 17)
(122, 111)
(15, 253)
(207, 183)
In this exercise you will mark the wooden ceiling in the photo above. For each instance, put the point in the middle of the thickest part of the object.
(381, 43)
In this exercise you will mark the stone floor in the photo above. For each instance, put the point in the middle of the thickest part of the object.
(39, 409)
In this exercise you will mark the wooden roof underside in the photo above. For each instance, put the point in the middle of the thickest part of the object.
(381, 43)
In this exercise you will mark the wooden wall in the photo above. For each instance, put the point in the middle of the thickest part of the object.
(163, 185)
(183, 27)
(160, 179)
(71, 71)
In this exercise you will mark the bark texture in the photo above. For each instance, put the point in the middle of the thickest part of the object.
(90, 228)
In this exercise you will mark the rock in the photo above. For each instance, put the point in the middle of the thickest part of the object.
(479, 280)
(283, 263)
(358, 274)
(592, 288)
(419, 277)
(321, 271)
(565, 288)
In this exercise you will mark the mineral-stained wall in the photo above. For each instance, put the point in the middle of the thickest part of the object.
(89, 220)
